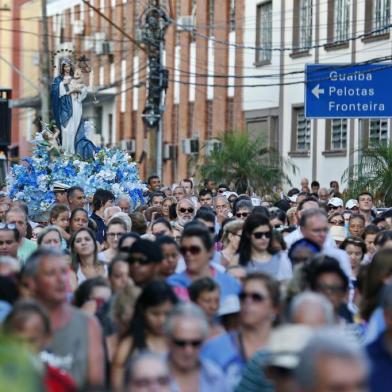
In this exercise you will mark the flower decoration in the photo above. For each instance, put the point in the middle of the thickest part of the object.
(111, 169)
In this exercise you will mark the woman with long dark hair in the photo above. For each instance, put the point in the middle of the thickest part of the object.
(256, 252)
(146, 330)
(84, 251)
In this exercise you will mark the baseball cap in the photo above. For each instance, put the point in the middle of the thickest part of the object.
(230, 305)
(147, 248)
(336, 202)
(285, 345)
(350, 204)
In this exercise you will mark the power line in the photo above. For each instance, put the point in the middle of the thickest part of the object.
(217, 85)
(292, 49)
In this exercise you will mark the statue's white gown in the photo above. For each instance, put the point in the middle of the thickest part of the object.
(69, 132)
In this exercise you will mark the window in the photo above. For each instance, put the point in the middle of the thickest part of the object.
(377, 17)
(302, 26)
(335, 134)
(301, 131)
(211, 16)
(341, 20)
(264, 33)
(305, 24)
(378, 131)
(381, 15)
(232, 15)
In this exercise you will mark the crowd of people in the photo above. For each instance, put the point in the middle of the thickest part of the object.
(199, 290)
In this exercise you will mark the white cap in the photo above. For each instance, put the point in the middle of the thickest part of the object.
(351, 204)
(230, 305)
(285, 345)
(336, 202)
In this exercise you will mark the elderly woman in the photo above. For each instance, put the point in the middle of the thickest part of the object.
(186, 211)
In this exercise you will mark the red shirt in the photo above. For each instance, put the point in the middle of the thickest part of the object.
(58, 381)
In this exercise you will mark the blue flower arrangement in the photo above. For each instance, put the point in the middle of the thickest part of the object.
(112, 169)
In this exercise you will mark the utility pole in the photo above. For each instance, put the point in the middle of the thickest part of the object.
(45, 65)
(153, 37)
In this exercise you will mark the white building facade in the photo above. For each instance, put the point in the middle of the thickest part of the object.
(301, 32)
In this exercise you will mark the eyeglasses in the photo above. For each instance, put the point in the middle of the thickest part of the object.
(184, 210)
(162, 381)
(139, 260)
(333, 207)
(193, 250)
(7, 226)
(242, 214)
(184, 343)
(353, 241)
(255, 297)
(260, 234)
(337, 223)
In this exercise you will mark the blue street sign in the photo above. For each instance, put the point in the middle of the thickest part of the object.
(348, 91)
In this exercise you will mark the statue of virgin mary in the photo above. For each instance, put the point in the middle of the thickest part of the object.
(67, 97)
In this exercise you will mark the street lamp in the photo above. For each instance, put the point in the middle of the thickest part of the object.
(3, 169)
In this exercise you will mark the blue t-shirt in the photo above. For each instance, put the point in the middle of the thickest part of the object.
(381, 366)
(224, 351)
(228, 285)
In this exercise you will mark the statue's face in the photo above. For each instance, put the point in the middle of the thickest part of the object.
(66, 68)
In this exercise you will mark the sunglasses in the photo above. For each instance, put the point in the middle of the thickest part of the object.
(184, 343)
(255, 297)
(261, 234)
(7, 226)
(333, 208)
(193, 250)
(184, 210)
(139, 260)
(242, 214)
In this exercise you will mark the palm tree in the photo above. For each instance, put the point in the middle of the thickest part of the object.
(372, 173)
(245, 163)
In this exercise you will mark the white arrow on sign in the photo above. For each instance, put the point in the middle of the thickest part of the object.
(317, 91)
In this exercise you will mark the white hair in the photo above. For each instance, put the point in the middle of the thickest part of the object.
(124, 217)
(326, 343)
(311, 298)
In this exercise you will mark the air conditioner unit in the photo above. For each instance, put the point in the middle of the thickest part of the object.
(128, 145)
(77, 27)
(170, 152)
(190, 146)
(89, 43)
(186, 23)
(211, 145)
(100, 36)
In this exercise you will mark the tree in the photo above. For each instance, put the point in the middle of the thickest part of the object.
(245, 163)
(372, 173)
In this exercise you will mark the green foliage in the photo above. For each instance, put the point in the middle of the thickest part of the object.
(19, 371)
(372, 173)
(245, 163)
